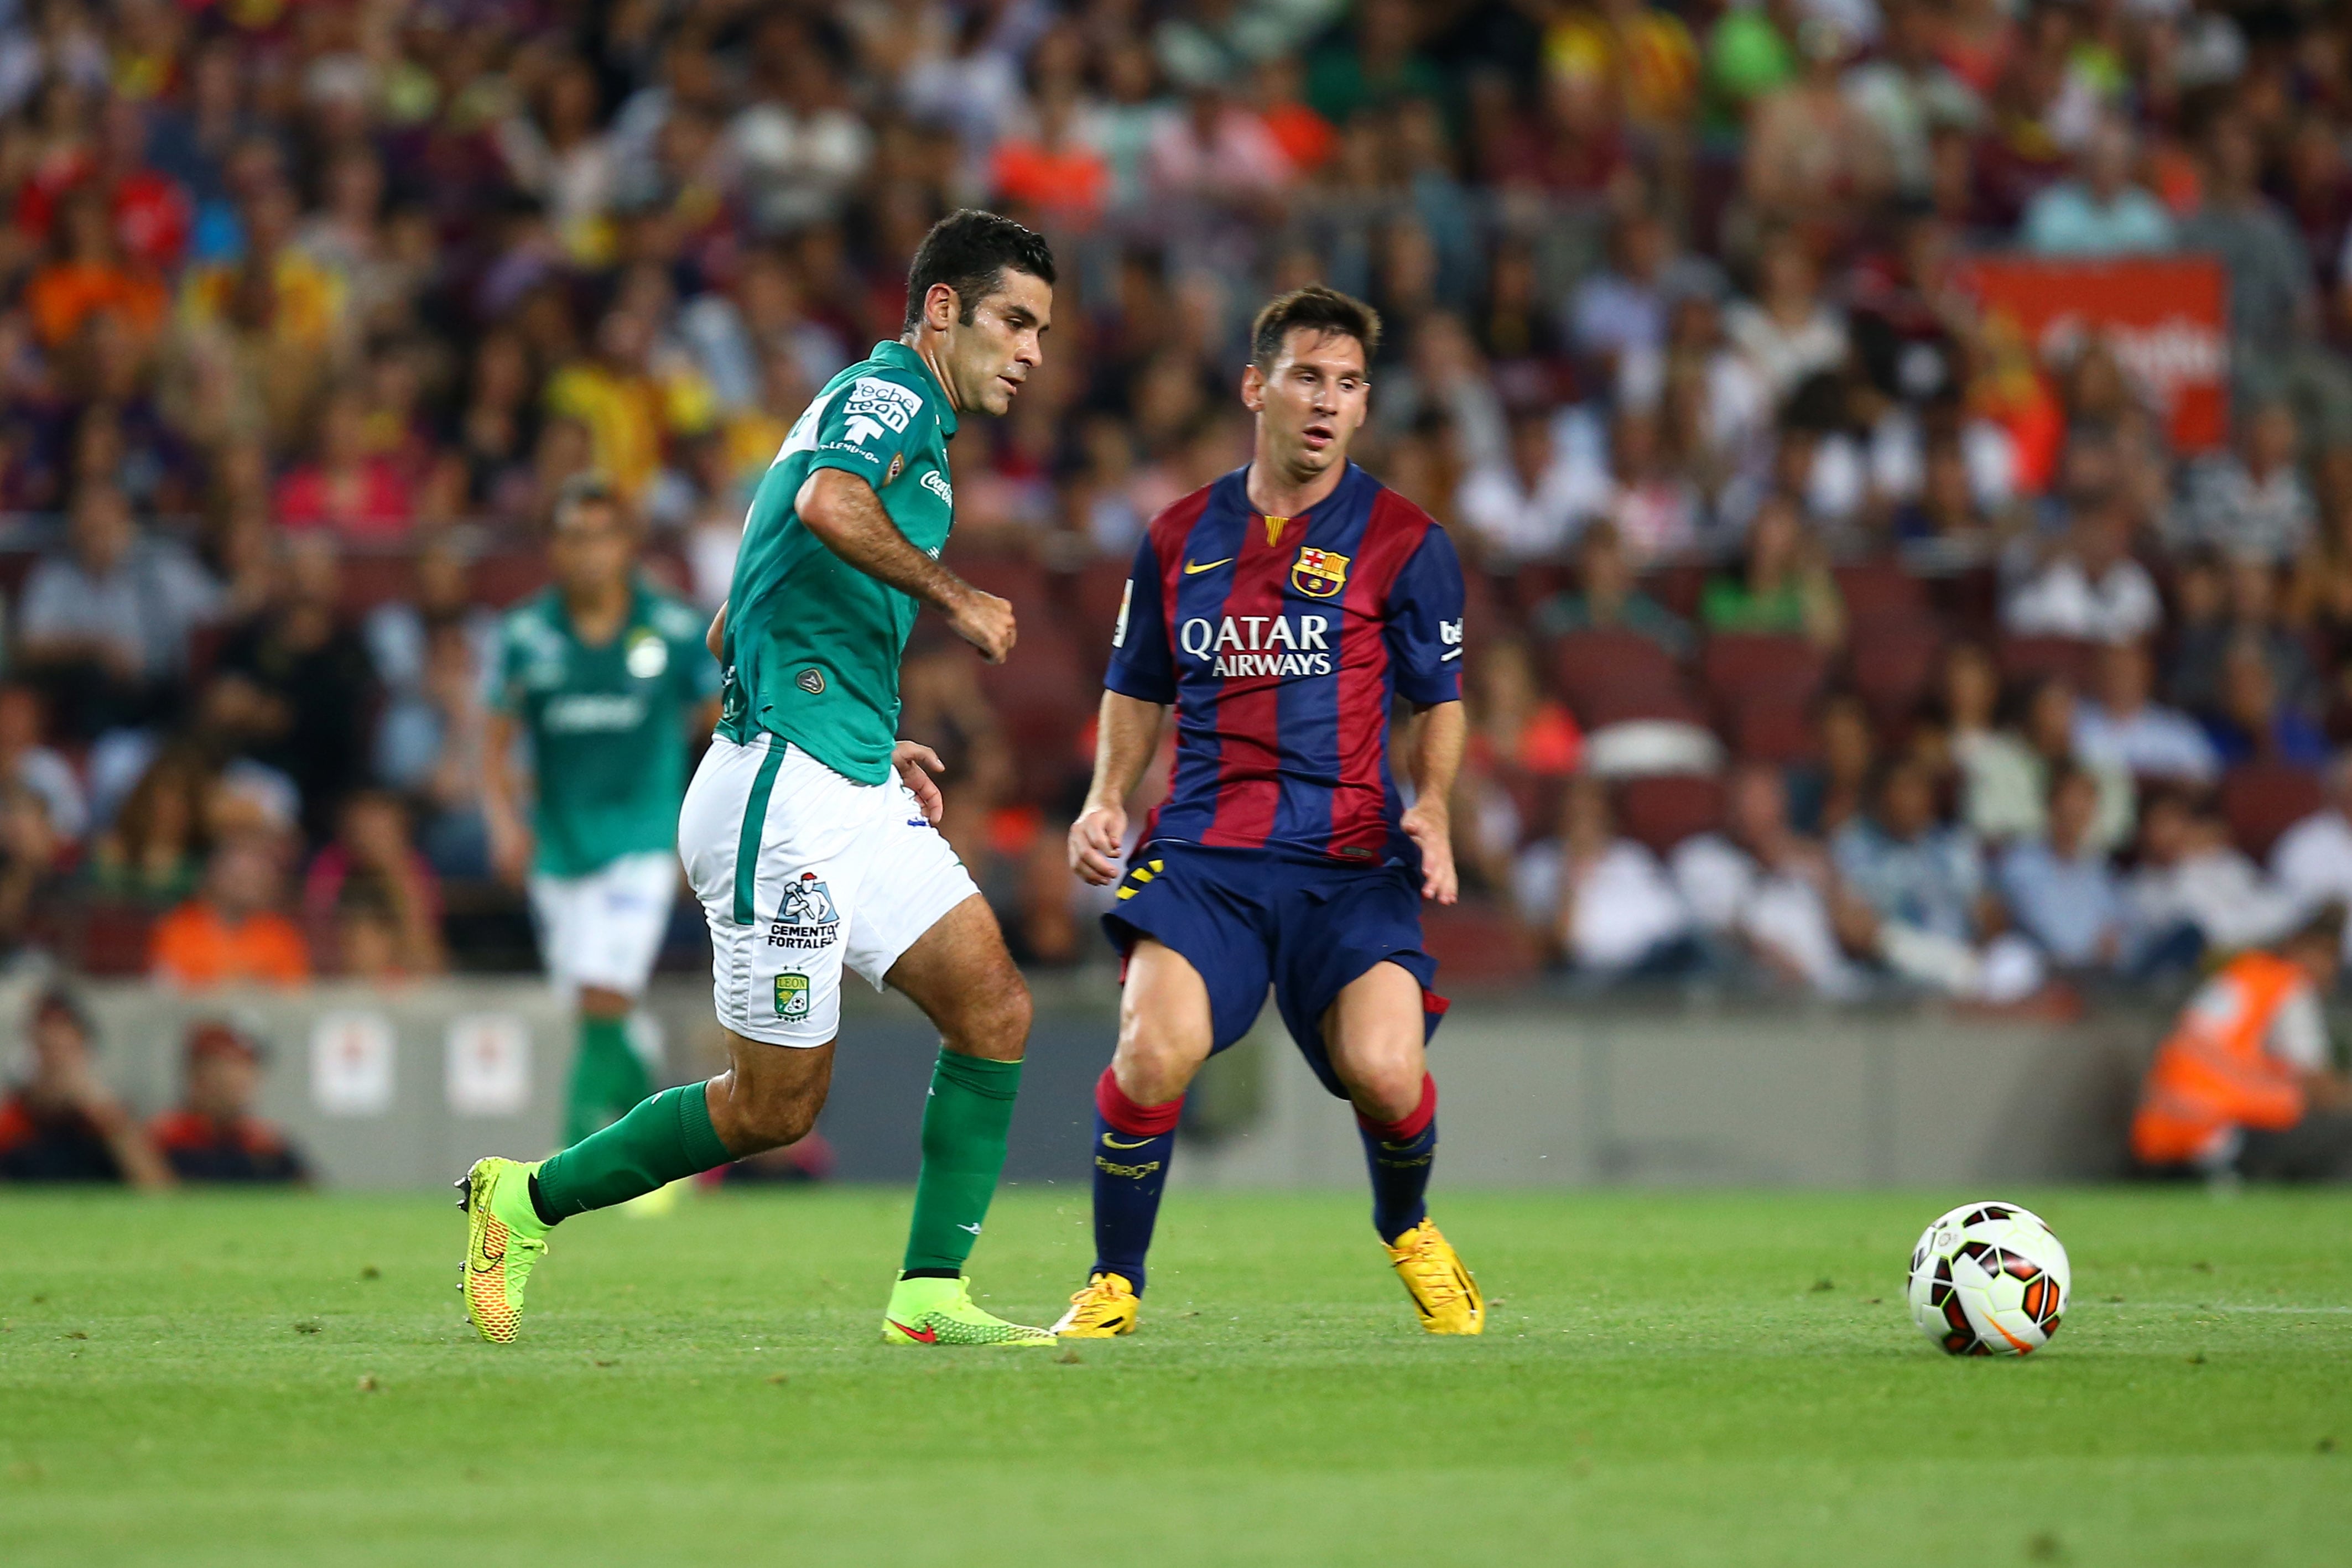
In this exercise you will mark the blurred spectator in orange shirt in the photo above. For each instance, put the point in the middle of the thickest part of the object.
(214, 1135)
(231, 933)
(87, 272)
(1051, 167)
(1305, 137)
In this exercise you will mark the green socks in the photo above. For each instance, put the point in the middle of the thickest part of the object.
(664, 1138)
(965, 1122)
(607, 1078)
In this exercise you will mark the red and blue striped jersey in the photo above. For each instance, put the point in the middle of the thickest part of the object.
(1283, 643)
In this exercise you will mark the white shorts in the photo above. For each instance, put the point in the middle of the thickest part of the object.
(839, 872)
(605, 929)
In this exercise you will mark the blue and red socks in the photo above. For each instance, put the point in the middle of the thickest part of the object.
(1133, 1144)
(1398, 1154)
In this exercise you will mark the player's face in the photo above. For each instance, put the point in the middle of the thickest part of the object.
(591, 549)
(990, 357)
(1312, 402)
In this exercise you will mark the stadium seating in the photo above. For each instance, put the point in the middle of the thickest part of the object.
(1891, 662)
(1878, 589)
(1776, 730)
(2027, 658)
(2261, 800)
(1608, 675)
(1476, 944)
(1742, 668)
(1662, 812)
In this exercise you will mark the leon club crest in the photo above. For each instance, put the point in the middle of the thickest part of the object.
(1319, 573)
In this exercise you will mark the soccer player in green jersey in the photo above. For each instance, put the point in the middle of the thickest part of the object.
(606, 675)
(810, 830)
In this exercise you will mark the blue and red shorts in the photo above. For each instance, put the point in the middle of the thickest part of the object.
(1250, 918)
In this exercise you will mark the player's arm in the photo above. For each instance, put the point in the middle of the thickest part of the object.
(846, 515)
(1425, 646)
(502, 802)
(1136, 691)
(1126, 738)
(1434, 741)
(715, 637)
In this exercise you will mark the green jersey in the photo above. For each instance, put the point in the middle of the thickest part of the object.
(813, 643)
(607, 724)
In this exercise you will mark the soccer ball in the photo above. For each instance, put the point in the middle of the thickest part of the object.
(1988, 1278)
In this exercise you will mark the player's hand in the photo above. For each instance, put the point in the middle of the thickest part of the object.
(911, 759)
(511, 849)
(1431, 829)
(983, 621)
(78, 1084)
(1095, 840)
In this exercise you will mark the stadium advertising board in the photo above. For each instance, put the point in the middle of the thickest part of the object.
(2164, 315)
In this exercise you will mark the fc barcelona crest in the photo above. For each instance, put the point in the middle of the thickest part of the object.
(1319, 573)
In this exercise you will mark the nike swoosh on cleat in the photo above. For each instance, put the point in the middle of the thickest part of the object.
(1193, 568)
(1110, 1142)
(928, 1336)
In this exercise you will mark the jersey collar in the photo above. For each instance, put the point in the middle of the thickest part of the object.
(892, 351)
(638, 595)
(1349, 478)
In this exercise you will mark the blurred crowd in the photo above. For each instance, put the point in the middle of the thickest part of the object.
(1825, 635)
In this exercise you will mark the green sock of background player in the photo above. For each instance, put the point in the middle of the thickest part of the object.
(966, 1120)
(608, 1077)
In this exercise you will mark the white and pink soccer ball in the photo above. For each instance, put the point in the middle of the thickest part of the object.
(1988, 1278)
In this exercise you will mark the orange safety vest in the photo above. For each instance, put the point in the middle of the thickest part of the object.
(2214, 1073)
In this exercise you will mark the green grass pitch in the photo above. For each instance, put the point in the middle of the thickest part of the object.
(1667, 1379)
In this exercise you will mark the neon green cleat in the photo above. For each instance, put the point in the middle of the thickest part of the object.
(940, 1311)
(505, 1239)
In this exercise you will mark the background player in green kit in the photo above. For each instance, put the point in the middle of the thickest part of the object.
(606, 675)
(809, 832)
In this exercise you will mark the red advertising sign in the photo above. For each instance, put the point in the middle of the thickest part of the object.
(2165, 318)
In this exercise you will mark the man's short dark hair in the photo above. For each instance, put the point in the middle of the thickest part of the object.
(1326, 312)
(971, 251)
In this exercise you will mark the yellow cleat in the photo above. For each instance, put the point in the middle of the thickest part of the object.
(1106, 1308)
(1442, 1290)
(505, 1239)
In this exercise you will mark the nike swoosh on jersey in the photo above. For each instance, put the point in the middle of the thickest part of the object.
(1110, 1142)
(1193, 568)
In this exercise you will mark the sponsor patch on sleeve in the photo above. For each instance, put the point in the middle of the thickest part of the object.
(873, 398)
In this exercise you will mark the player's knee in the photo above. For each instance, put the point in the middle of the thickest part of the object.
(1386, 1091)
(601, 1002)
(776, 1120)
(1152, 1065)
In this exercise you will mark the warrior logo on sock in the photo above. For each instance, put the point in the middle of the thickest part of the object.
(805, 917)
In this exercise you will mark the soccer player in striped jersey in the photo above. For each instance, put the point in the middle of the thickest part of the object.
(1281, 611)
